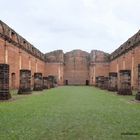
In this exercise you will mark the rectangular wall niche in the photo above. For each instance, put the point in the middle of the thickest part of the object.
(125, 82)
(138, 94)
(38, 82)
(113, 79)
(25, 82)
(4, 82)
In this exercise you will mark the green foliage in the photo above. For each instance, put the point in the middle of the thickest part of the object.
(70, 113)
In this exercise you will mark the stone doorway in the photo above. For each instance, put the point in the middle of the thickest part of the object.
(87, 82)
(66, 82)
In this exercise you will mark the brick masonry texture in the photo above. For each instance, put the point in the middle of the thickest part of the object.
(76, 67)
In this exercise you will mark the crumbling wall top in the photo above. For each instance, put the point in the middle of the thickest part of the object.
(11, 36)
(99, 56)
(126, 46)
(55, 56)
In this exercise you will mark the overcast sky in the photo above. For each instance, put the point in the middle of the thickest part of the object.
(73, 24)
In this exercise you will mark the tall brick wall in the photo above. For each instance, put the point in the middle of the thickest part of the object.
(55, 69)
(99, 65)
(136, 61)
(126, 57)
(76, 68)
(19, 54)
(55, 65)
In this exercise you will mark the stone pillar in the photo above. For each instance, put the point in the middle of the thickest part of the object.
(45, 82)
(38, 82)
(4, 82)
(101, 82)
(113, 81)
(125, 82)
(106, 83)
(52, 81)
(138, 93)
(25, 82)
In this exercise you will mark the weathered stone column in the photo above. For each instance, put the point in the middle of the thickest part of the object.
(45, 82)
(4, 82)
(25, 82)
(113, 78)
(38, 82)
(138, 93)
(125, 82)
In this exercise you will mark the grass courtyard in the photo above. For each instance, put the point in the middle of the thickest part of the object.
(70, 113)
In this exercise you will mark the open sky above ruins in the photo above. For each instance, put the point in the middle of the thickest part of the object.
(73, 24)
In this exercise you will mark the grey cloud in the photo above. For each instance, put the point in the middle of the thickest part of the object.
(73, 24)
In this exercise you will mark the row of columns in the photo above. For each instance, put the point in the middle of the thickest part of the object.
(93, 72)
(40, 82)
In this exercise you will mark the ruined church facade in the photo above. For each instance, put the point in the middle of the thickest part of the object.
(77, 67)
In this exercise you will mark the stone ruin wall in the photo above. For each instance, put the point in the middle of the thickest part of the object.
(127, 57)
(99, 65)
(76, 66)
(19, 54)
(55, 65)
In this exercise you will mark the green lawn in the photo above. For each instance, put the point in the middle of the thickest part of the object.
(70, 113)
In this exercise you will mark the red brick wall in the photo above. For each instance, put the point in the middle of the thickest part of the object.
(98, 69)
(13, 59)
(136, 58)
(76, 69)
(55, 69)
(128, 61)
